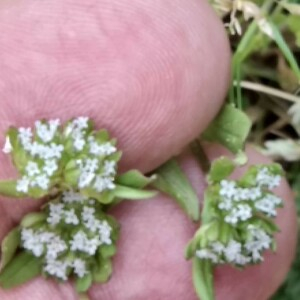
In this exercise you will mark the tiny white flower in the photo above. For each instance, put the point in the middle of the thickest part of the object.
(90, 165)
(104, 183)
(267, 207)
(241, 194)
(32, 168)
(50, 166)
(228, 188)
(23, 185)
(92, 224)
(85, 179)
(55, 246)
(255, 193)
(109, 168)
(25, 136)
(108, 149)
(244, 212)
(57, 268)
(242, 260)
(241, 212)
(102, 150)
(232, 250)
(42, 181)
(56, 213)
(92, 246)
(56, 151)
(217, 247)
(265, 178)
(259, 240)
(231, 219)
(79, 144)
(225, 204)
(105, 232)
(207, 254)
(46, 236)
(87, 213)
(47, 131)
(71, 217)
(31, 241)
(79, 267)
(79, 241)
(81, 122)
(7, 146)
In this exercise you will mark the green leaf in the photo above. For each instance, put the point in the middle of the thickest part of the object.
(8, 188)
(84, 283)
(71, 173)
(33, 218)
(134, 179)
(9, 246)
(103, 272)
(21, 269)
(203, 279)
(37, 193)
(108, 251)
(19, 155)
(191, 248)
(230, 128)
(125, 192)
(220, 169)
(285, 49)
(293, 23)
(241, 158)
(172, 181)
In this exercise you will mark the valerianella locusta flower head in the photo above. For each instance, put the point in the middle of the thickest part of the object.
(71, 238)
(52, 157)
(238, 215)
(74, 168)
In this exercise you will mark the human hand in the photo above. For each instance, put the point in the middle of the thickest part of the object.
(154, 73)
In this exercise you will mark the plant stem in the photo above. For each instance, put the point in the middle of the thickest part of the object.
(268, 90)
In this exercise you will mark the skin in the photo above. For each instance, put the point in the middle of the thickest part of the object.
(154, 73)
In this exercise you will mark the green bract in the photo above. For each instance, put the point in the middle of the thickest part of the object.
(230, 128)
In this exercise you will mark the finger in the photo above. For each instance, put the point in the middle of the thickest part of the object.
(139, 69)
(152, 72)
(150, 263)
(145, 70)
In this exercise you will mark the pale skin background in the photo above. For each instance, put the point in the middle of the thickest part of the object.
(153, 72)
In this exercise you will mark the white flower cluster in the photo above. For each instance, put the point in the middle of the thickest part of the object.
(240, 203)
(238, 253)
(73, 228)
(45, 148)
(90, 177)
(97, 171)
(44, 151)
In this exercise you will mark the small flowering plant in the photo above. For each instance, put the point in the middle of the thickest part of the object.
(74, 168)
(53, 159)
(237, 221)
(70, 236)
